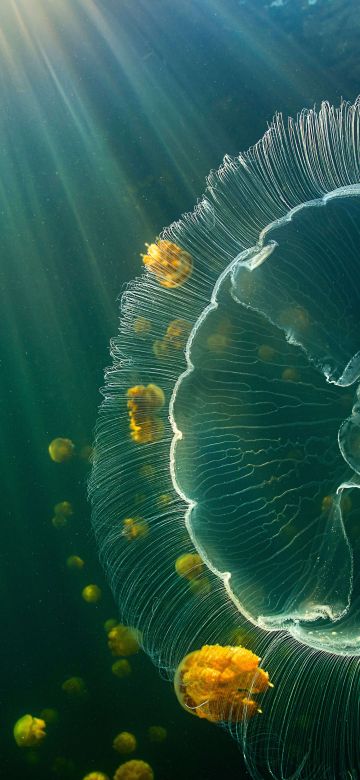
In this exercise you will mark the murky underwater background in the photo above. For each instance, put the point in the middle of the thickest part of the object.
(112, 113)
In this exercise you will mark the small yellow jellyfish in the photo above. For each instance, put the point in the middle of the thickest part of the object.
(86, 453)
(217, 342)
(147, 470)
(61, 450)
(157, 733)
(125, 742)
(290, 375)
(29, 731)
(59, 521)
(74, 687)
(50, 716)
(143, 405)
(64, 508)
(91, 594)
(62, 511)
(171, 265)
(200, 586)
(295, 317)
(164, 500)
(218, 682)
(123, 640)
(265, 352)
(75, 563)
(177, 333)
(96, 776)
(134, 770)
(175, 338)
(345, 503)
(141, 326)
(109, 624)
(121, 668)
(189, 566)
(160, 349)
(134, 528)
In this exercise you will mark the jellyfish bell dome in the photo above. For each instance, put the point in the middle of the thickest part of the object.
(229, 439)
(264, 451)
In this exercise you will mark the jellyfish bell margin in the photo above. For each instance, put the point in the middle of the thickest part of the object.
(251, 432)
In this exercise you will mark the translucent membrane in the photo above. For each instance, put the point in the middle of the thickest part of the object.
(252, 461)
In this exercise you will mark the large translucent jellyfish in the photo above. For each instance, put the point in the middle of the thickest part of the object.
(230, 430)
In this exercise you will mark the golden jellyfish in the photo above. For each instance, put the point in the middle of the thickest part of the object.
(189, 566)
(29, 731)
(62, 511)
(59, 521)
(142, 326)
(109, 624)
(134, 528)
(75, 688)
(61, 450)
(96, 776)
(170, 264)
(219, 683)
(121, 668)
(266, 352)
(157, 734)
(143, 405)
(91, 594)
(134, 770)
(64, 508)
(175, 338)
(125, 742)
(75, 563)
(123, 640)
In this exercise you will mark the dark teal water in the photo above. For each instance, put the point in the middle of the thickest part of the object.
(112, 113)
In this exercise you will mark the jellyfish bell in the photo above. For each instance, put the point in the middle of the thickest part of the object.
(244, 394)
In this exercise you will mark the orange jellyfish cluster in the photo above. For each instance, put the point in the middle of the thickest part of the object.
(219, 682)
(144, 404)
(170, 264)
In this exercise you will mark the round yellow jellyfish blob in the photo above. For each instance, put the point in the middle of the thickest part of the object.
(59, 521)
(29, 731)
(109, 624)
(143, 405)
(157, 733)
(91, 594)
(75, 563)
(64, 508)
(134, 770)
(74, 687)
(123, 640)
(219, 682)
(125, 742)
(96, 776)
(61, 450)
(169, 263)
(189, 566)
(121, 668)
(142, 326)
(135, 528)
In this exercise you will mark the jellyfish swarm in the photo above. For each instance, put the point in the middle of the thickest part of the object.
(255, 461)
